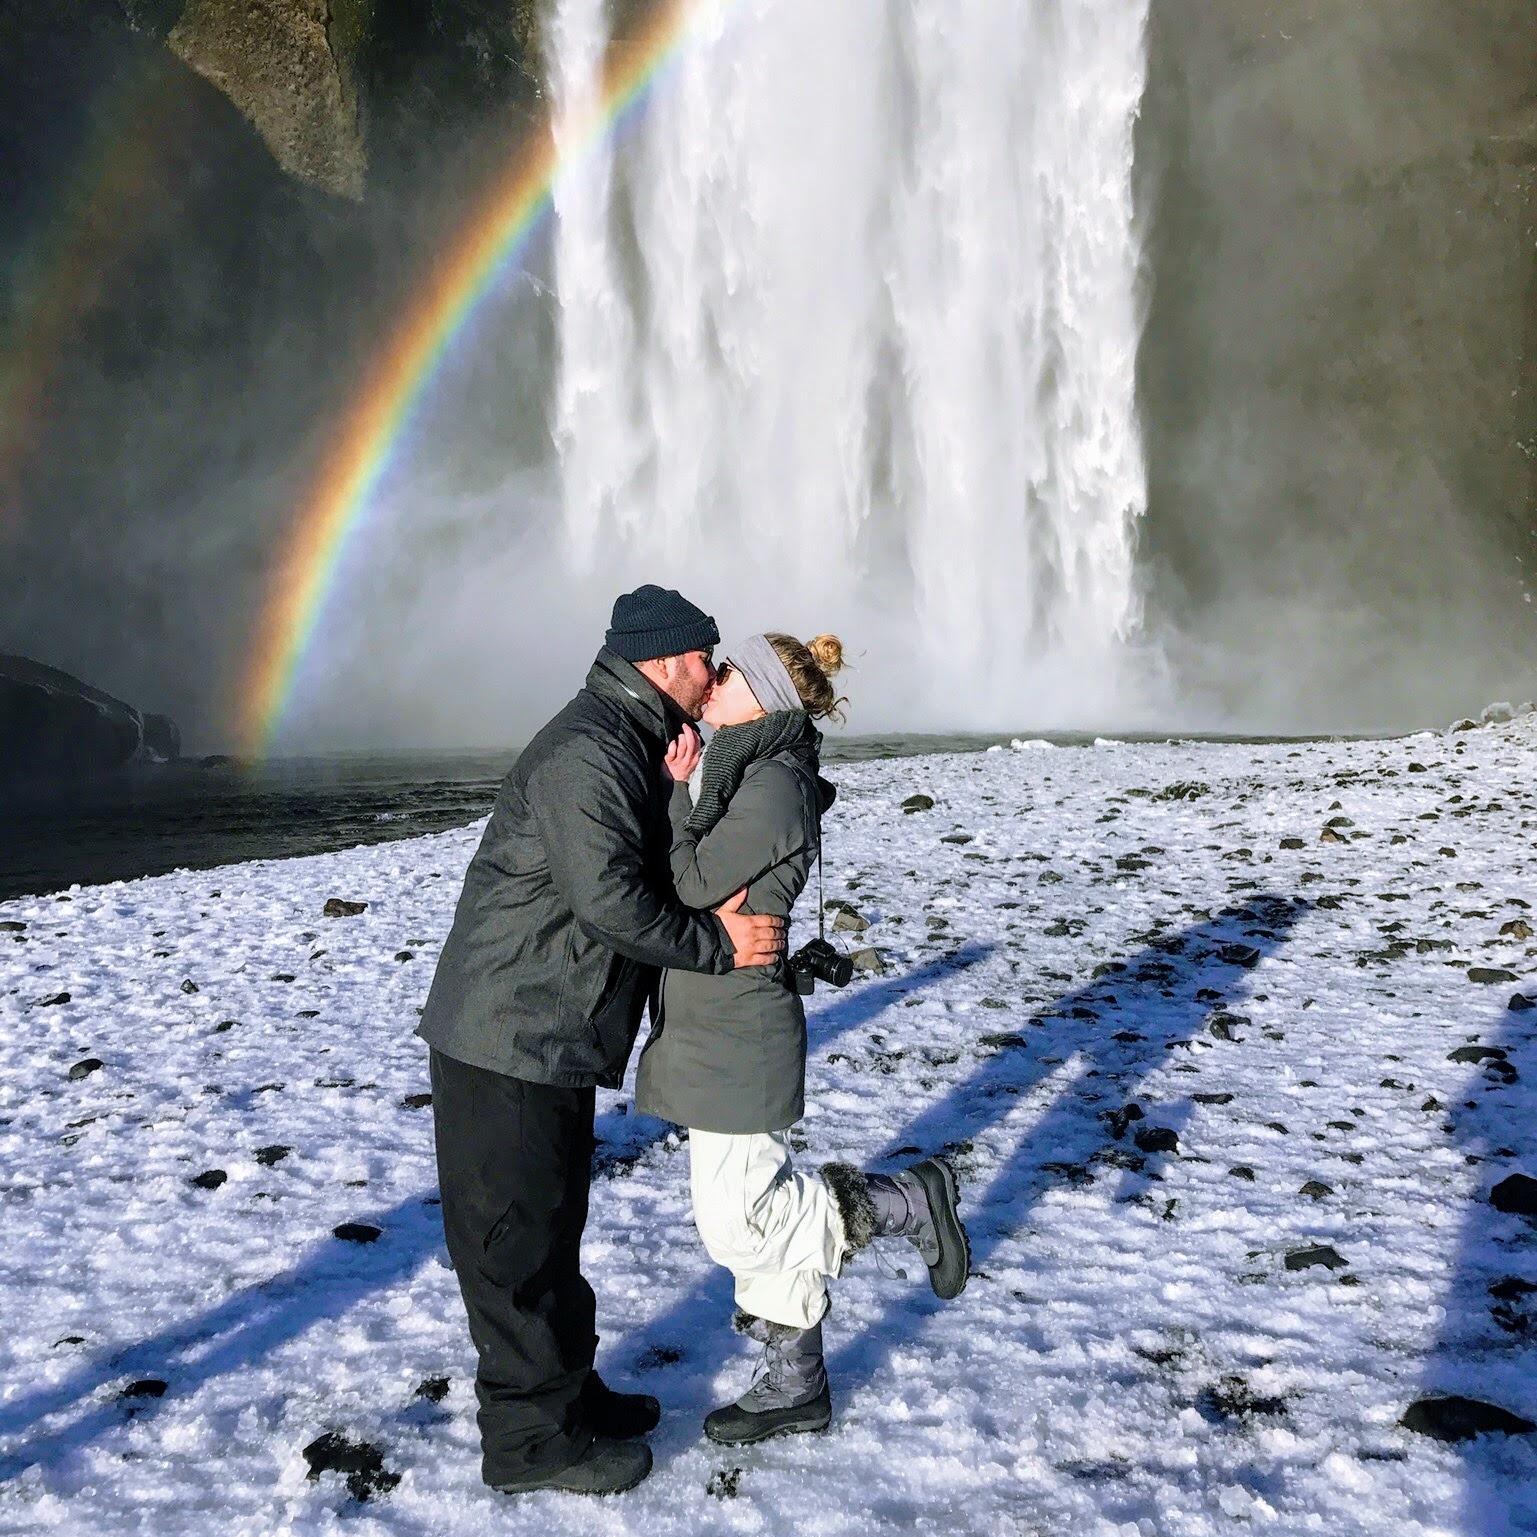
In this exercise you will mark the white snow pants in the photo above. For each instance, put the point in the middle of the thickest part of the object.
(778, 1232)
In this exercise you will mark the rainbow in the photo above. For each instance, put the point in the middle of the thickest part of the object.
(371, 431)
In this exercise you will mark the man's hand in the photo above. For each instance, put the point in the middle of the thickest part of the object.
(683, 755)
(757, 940)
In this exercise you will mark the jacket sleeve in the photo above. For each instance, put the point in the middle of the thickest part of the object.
(590, 813)
(764, 825)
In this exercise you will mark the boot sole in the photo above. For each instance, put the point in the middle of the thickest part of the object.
(944, 1202)
(817, 1418)
(554, 1484)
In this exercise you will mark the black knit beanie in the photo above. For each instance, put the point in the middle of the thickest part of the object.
(656, 621)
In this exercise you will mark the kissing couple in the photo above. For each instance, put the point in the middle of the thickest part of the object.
(604, 883)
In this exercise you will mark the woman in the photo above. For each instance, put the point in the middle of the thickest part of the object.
(727, 1056)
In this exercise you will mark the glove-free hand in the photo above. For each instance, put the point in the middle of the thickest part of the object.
(683, 755)
(759, 940)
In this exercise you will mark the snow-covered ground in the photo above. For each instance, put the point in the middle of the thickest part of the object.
(1066, 934)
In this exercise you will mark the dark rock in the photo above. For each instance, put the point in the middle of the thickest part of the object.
(1454, 1418)
(1521, 1004)
(1316, 1254)
(283, 976)
(1475, 1054)
(956, 837)
(1517, 928)
(1516, 1194)
(1242, 1171)
(918, 803)
(658, 1355)
(13, 926)
(53, 1002)
(275, 1153)
(340, 907)
(357, 1232)
(1157, 1139)
(360, 1461)
(1316, 1189)
(224, 1025)
(416, 1101)
(868, 961)
(69, 1339)
(1239, 955)
(1213, 1099)
(433, 1389)
(145, 1387)
(1491, 974)
(405, 955)
(84, 1068)
(847, 921)
(1232, 1399)
(188, 985)
(1512, 1289)
(209, 1179)
(1120, 1120)
(1221, 1027)
(1292, 843)
(724, 1483)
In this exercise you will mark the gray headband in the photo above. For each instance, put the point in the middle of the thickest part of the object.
(757, 660)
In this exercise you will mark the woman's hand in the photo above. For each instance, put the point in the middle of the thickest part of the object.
(684, 754)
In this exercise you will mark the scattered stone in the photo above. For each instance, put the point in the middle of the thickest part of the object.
(405, 955)
(1315, 1255)
(1491, 974)
(1120, 1120)
(1232, 1399)
(53, 1002)
(282, 976)
(84, 1068)
(275, 1153)
(1157, 1139)
(658, 1355)
(1292, 843)
(360, 1461)
(1476, 1054)
(1517, 928)
(69, 1339)
(1454, 1418)
(724, 1483)
(1521, 1004)
(1213, 1099)
(416, 1101)
(209, 1179)
(1516, 1194)
(1316, 1189)
(357, 1232)
(1432, 1103)
(13, 926)
(1242, 1171)
(1183, 790)
(1239, 955)
(1512, 1289)
(847, 921)
(1328, 835)
(145, 1387)
(340, 907)
(917, 803)
(433, 1389)
(869, 961)
(960, 838)
(225, 1025)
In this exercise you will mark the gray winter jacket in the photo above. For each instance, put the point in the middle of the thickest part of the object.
(728, 1053)
(567, 910)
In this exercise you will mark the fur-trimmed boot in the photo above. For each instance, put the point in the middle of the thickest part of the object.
(921, 1204)
(789, 1390)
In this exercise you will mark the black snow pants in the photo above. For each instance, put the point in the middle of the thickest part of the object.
(514, 1168)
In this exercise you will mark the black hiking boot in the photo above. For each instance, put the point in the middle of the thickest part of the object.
(606, 1467)
(921, 1204)
(789, 1392)
(618, 1416)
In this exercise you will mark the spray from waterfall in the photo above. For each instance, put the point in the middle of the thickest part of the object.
(847, 335)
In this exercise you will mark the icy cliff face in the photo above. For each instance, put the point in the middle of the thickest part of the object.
(53, 726)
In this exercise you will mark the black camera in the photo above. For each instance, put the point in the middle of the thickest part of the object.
(817, 961)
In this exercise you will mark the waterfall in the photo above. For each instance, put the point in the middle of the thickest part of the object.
(848, 324)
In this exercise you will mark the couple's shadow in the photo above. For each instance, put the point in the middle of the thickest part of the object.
(1111, 1036)
(1116, 1031)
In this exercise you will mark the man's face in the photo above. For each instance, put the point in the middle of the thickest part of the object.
(687, 680)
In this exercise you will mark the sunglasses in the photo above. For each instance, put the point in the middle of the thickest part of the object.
(722, 672)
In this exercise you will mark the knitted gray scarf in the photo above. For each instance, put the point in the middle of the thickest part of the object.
(733, 748)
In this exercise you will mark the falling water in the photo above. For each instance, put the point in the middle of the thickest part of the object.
(848, 326)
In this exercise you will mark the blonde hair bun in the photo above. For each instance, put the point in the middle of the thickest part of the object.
(827, 652)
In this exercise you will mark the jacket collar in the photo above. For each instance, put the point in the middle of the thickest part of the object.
(614, 679)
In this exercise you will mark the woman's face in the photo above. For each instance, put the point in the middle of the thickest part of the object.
(732, 703)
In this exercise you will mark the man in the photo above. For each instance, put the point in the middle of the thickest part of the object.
(566, 916)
